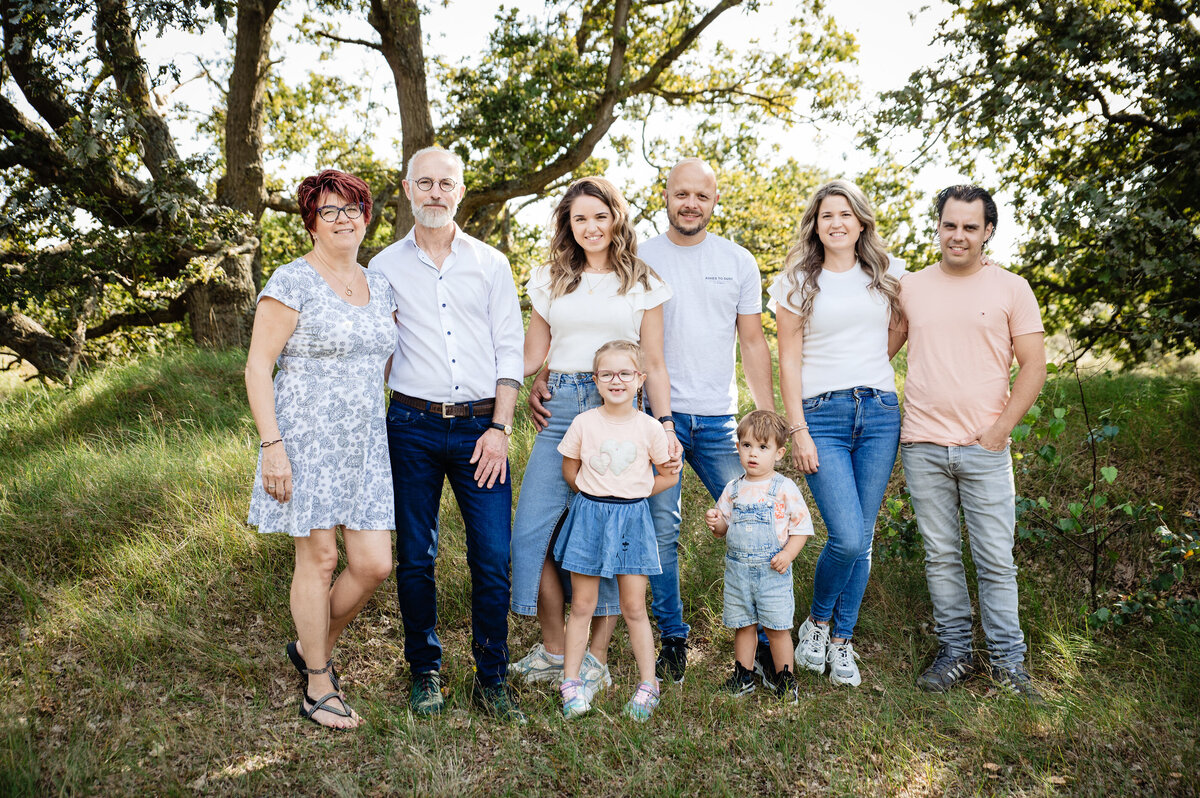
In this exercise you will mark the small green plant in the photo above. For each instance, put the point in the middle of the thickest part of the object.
(897, 536)
(1155, 601)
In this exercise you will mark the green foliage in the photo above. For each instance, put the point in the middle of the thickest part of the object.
(544, 80)
(1097, 534)
(1156, 599)
(897, 536)
(1090, 112)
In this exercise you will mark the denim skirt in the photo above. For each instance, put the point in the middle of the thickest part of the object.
(606, 536)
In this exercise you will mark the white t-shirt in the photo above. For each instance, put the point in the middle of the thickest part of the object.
(846, 338)
(591, 315)
(712, 283)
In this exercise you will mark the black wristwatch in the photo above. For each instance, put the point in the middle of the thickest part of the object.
(665, 419)
(505, 428)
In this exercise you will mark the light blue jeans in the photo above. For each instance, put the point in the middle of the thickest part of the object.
(545, 496)
(710, 447)
(856, 432)
(943, 479)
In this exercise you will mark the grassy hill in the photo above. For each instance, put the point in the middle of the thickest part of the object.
(142, 627)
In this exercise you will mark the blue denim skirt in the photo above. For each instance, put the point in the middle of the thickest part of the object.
(606, 536)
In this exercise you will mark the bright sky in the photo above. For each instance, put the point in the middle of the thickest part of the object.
(893, 36)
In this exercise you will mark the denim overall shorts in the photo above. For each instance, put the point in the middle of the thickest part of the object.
(754, 592)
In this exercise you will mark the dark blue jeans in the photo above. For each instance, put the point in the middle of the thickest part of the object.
(425, 450)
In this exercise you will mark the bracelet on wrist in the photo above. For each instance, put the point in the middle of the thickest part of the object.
(792, 430)
(265, 444)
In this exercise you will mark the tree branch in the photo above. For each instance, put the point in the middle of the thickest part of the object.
(278, 202)
(51, 356)
(362, 42)
(41, 90)
(176, 310)
(679, 48)
(118, 49)
(602, 116)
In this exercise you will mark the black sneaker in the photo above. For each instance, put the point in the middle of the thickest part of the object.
(498, 701)
(946, 672)
(1016, 681)
(764, 665)
(425, 697)
(672, 660)
(786, 688)
(741, 682)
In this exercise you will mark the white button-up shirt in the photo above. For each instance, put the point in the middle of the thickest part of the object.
(460, 326)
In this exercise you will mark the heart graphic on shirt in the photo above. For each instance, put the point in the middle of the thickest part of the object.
(599, 463)
(619, 454)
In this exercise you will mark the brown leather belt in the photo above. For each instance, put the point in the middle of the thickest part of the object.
(483, 407)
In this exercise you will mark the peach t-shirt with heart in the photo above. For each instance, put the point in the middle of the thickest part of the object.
(616, 455)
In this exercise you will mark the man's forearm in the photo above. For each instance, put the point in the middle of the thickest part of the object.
(756, 365)
(506, 402)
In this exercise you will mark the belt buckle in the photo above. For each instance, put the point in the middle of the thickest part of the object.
(446, 407)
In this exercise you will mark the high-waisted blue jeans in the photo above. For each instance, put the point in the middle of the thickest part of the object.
(857, 432)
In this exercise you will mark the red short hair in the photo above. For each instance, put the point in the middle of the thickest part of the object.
(347, 186)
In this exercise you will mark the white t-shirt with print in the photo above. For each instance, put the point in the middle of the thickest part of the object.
(712, 283)
(790, 513)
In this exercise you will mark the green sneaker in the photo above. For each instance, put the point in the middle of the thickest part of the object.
(425, 698)
(498, 701)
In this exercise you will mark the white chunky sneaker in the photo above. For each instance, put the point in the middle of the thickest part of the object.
(842, 666)
(812, 650)
(536, 666)
(595, 677)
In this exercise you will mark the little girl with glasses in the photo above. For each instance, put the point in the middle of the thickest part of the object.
(607, 456)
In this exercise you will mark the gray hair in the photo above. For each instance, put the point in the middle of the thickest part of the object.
(458, 162)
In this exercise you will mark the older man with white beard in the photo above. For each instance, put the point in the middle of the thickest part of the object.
(454, 381)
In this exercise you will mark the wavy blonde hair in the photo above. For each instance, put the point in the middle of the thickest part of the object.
(568, 260)
(806, 258)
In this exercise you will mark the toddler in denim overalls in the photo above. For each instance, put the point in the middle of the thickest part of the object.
(765, 523)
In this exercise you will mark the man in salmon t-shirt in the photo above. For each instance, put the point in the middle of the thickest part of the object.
(965, 318)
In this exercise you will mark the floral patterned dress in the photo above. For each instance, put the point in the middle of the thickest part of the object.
(329, 402)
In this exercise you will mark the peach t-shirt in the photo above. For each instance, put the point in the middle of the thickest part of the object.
(960, 352)
(616, 455)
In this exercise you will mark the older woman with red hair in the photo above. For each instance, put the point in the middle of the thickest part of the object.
(323, 463)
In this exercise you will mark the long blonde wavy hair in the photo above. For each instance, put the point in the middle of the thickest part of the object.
(806, 258)
(568, 260)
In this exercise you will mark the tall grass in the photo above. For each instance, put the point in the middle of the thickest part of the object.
(142, 627)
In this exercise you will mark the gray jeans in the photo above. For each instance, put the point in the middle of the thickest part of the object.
(943, 479)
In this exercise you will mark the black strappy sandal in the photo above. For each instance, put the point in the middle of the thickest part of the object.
(320, 703)
(301, 667)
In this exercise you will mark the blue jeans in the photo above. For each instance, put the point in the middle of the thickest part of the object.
(942, 479)
(425, 450)
(545, 496)
(856, 432)
(710, 447)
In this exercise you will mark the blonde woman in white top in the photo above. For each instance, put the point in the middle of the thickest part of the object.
(834, 301)
(594, 289)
